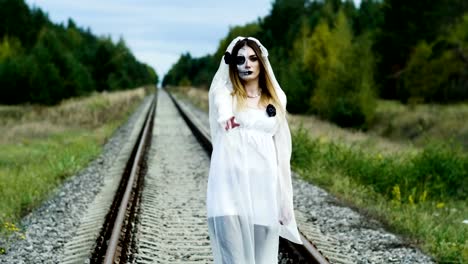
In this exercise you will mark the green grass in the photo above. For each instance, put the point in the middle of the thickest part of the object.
(30, 170)
(421, 195)
(43, 146)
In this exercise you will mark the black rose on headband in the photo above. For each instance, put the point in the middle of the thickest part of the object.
(227, 58)
(271, 110)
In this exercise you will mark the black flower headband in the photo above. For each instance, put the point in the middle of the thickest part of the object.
(227, 58)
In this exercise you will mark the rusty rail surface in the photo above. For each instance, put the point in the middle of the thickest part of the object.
(111, 245)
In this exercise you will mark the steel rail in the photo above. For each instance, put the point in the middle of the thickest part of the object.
(113, 242)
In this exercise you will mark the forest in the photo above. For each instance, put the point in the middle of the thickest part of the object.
(44, 63)
(336, 60)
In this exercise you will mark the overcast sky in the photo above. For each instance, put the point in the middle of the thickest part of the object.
(159, 31)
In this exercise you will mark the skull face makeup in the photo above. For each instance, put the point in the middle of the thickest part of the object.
(248, 65)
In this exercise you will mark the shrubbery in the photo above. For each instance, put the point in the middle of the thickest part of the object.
(435, 173)
(438, 71)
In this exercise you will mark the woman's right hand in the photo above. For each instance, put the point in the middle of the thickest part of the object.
(231, 123)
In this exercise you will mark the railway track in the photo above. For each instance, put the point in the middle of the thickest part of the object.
(151, 209)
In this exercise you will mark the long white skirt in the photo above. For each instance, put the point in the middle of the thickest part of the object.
(241, 197)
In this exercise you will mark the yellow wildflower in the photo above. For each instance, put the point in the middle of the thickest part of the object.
(423, 197)
(323, 139)
(440, 205)
(396, 193)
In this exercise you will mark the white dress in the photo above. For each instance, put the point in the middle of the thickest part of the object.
(243, 203)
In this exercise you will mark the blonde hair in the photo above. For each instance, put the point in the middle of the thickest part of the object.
(268, 95)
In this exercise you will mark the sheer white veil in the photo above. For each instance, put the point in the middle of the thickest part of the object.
(221, 109)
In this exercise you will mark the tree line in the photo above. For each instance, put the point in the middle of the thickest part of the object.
(334, 59)
(42, 62)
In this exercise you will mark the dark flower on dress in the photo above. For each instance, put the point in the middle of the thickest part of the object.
(271, 110)
(227, 58)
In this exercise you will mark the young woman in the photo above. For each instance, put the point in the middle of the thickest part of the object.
(249, 196)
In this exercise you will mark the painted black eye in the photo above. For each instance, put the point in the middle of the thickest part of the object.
(240, 60)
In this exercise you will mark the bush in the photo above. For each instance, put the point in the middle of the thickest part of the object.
(438, 71)
(297, 84)
(438, 172)
(344, 92)
(441, 169)
(429, 76)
